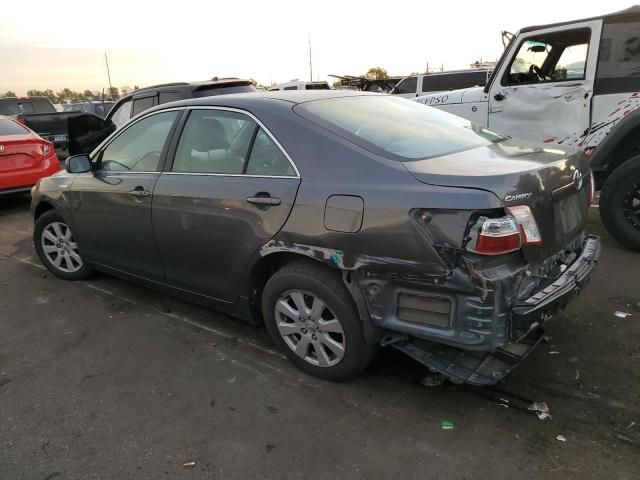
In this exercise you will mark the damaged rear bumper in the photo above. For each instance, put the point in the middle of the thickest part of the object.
(483, 368)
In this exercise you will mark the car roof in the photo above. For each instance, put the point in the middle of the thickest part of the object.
(205, 84)
(634, 10)
(242, 99)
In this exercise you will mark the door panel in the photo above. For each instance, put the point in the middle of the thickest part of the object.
(113, 225)
(111, 207)
(206, 229)
(553, 105)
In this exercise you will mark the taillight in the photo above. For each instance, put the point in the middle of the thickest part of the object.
(528, 226)
(47, 148)
(495, 236)
(592, 188)
(498, 235)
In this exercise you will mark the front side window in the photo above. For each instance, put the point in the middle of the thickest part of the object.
(408, 85)
(395, 128)
(619, 59)
(214, 141)
(122, 114)
(553, 57)
(139, 147)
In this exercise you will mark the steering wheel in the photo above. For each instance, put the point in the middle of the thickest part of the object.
(536, 72)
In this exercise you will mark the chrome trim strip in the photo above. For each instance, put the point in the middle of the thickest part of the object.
(229, 175)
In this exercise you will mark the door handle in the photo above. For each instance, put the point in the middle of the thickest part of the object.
(268, 201)
(498, 97)
(139, 192)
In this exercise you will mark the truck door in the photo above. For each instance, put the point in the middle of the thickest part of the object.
(543, 91)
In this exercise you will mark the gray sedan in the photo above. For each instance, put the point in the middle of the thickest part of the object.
(341, 221)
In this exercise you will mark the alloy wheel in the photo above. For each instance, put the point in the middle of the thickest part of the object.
(310, 328)
(60, 248)
(631, 205)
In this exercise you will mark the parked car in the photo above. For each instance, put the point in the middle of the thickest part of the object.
(24, 157)
(98, 108)
(301, 85)
(417, 85)
(87, 131)
(572, 83)
(343, 220)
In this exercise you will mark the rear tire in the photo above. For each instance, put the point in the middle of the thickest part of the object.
(57, 249)
(620, 203)
(312, 318)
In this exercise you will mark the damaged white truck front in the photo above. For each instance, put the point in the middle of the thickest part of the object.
(573, 84)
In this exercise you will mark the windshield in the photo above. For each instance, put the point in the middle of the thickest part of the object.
(404, 129)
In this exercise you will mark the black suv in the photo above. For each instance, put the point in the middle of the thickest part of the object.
(87, 131)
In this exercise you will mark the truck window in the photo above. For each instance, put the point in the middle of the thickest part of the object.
(317, 86)
(431, 83)
(619, 59)
(553, 57)
(9, 106)
(408, 85)
(26, 107)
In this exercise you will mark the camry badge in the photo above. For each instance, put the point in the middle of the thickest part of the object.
(577, 179)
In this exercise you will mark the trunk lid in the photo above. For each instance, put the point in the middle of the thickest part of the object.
(545, 179)
(19, 152)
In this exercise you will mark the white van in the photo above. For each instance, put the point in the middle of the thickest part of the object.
(417, 85)
(301, 85)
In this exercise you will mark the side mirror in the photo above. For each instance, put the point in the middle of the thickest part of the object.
(78, 164)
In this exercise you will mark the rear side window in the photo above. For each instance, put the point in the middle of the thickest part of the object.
(139, 147)
(408, 85)
(166, 97)
(290, 88)
(431, 83)
(619, 57)
(214, 141)
(395, 128)
(142, 104)
(317, 86)
(267, 159)
(8, 127)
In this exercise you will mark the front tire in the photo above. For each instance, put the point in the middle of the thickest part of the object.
(620, 203)
(312, 318)
(57, 248)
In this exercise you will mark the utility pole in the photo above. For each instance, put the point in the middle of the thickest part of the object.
(310, 63)
(108, 73)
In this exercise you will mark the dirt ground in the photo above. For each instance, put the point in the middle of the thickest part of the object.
(103, 379)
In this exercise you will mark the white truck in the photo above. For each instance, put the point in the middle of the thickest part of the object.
(571, 84)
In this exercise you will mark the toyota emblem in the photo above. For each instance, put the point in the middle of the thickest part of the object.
(577, 179)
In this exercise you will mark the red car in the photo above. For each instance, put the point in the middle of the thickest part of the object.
(24, 157)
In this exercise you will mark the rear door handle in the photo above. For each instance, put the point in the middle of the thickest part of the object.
(140, 193)
(270, 201)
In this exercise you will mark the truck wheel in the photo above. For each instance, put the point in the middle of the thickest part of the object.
(312, 318)
(620, 203)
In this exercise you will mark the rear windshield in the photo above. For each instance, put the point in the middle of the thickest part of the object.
(8, 127)
(9, 106)
(395, 127)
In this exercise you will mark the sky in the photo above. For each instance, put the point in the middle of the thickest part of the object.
(148, 43)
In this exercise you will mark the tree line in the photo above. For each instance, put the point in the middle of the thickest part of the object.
(67, 95)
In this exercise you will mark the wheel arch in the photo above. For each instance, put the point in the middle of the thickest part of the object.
(621, 144)
(41, 208)
(268, 264)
